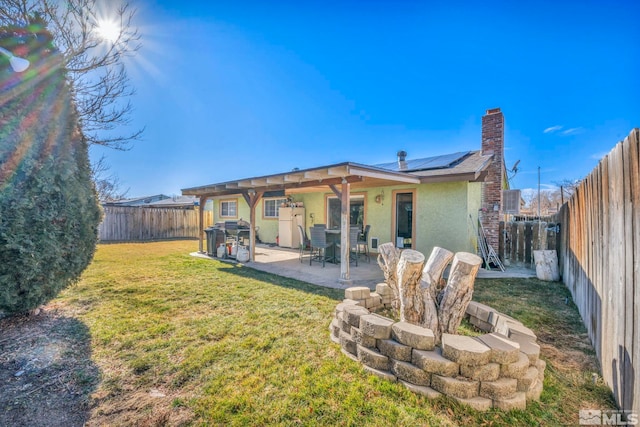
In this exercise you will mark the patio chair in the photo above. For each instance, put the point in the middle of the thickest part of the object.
(363, 241)
(354, 232)
(304, 242)
(319, 245)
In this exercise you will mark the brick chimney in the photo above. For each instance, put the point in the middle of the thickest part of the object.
(493, 144)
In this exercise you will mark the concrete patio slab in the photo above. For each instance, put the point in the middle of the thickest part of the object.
(286, 263)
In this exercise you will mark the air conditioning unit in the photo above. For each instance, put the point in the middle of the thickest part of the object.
(511, 202)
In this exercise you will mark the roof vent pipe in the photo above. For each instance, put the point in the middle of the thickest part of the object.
(402, 160)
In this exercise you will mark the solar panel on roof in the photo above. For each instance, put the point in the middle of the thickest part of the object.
(435, 162)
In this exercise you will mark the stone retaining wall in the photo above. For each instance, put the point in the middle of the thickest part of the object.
(500, 369)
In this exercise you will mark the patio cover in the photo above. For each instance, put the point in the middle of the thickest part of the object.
(340, 178)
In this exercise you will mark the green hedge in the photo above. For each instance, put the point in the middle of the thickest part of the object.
(49, 212)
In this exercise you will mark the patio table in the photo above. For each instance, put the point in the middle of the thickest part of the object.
(333, 236)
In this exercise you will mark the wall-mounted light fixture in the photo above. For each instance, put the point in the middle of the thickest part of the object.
(17, 64)
(380, 198)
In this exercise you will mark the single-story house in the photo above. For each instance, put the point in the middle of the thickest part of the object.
(415, 203)
(158, 201)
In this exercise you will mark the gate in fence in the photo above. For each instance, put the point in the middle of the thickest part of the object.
(518, 240)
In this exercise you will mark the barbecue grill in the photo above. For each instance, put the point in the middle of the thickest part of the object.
(236, 231)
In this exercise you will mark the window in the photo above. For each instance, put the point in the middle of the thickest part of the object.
(229, 208)
(271, 207)
(356, 214)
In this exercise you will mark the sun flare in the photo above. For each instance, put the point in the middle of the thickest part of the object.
(108, 30)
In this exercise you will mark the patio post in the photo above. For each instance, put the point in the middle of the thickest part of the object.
(345, 249)
(203, 200)
(252, 198)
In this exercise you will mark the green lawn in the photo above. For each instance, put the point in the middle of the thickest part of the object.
(187, 341)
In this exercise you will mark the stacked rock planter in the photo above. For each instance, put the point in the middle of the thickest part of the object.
(500, 369)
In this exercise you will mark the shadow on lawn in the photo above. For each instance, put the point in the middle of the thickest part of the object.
(285, 282)
(46, 371)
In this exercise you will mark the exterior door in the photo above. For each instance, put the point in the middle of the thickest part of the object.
(404, 204)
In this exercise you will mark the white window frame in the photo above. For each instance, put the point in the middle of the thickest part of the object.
(277, 202)
(229, 202)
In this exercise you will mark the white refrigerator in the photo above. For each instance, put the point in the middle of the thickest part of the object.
(289, 219)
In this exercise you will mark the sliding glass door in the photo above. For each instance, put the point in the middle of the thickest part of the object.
(356, 213)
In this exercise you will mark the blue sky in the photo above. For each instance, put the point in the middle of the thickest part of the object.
(234, 89)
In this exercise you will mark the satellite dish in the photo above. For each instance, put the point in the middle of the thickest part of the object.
(514, 168)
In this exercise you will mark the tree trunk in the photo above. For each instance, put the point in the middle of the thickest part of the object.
(432, 284)
(546, 265)
(388, 257)
(432, 274)
(409, 275)
(457, 293)
(430, 317)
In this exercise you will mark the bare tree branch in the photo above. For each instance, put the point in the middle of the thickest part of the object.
(95, 66)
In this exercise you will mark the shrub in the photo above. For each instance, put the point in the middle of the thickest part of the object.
(49, 213)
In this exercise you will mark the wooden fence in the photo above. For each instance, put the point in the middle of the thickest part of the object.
(600, 264)
(518, 240)
(134, 223)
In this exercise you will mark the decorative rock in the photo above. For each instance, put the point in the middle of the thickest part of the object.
(334, 327)
(499, 389)
(481, 324)
(428, 392)
(344, 325)
(494, 318)
(362, 339)
(517, 401)
(518, 329)
(357, 293)
(455, 387)
(413, 335)
(534, 392)
(350, 356)
(409, 373)
(347, 302)
(434, 362)
(541, 365)
(502, 350)
(488, 372)
(376, 326)
(479, 311)
(465, 350)
(528, 380)
(478, 403)
(373, 301)
(500, 369)
(382, 374)
(372, 358)
(383, 290)
(335, 331)
(353, 313)
(517, 369)
(347, 343)
(528, 347)
(335, 339)
(394, 350)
